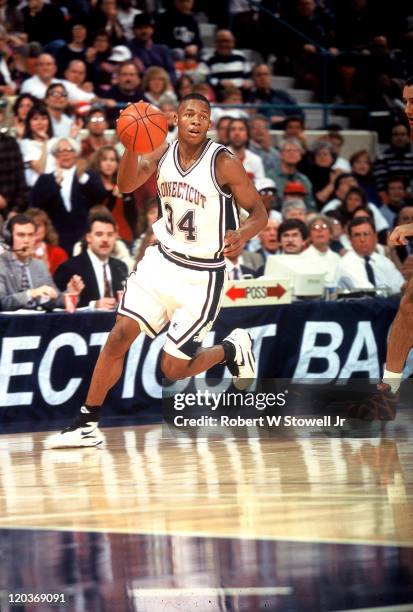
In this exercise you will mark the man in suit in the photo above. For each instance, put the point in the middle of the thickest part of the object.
(68, 193)
(25, 282)
(102, 274)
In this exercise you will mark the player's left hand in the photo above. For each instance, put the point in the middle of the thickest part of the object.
(233, 241)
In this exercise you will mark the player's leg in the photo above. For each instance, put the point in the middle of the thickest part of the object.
(400, 341)
(84, 431)
(235, 351)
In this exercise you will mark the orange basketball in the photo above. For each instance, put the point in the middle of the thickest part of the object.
(142, 127)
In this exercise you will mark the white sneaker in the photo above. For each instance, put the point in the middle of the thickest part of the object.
(242, 367)
(75, 436)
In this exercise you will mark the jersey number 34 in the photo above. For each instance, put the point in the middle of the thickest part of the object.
(185, 224)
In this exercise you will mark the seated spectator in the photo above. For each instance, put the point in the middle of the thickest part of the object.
(68, 193)
(242, 264)
(343, 183)
(337, 224)
(361, 168)
(76, 73)
(363, 267)
(105, 163)
(177, 28)
(222, 129)
(294, 127)
(13, 188)
(397, 159)
(105, 17)
(45, 75)
(102, 274)
(36, 144)
(230, 95)
(294, 208)
(238, 138)
(148, 52)
(75, 49)
(190, 65)
(184, 86)
(170, 109)
(401, 253)
(96, 124)
(292, 236)
(56, 104)
(321, 235)
(267, 189)
(46, 240)
(7, 85)
(396, 198)
(97, 55)
(127, 14)
(318, 167)
(269, 243)
(156, 86)
(260, 143)
(25, 281)
(127, 88)
(44, 23)
(262, 92)
(336, 139)
(226, 67)
(21, 107)
(291, 153)
(293, 190)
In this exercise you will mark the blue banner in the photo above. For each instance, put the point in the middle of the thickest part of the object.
(46, 360)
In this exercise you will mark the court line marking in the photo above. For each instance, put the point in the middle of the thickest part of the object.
(204, 534)
(396, 608)
(208, 591)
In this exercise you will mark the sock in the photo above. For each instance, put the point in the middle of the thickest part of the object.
(90, 413)
(229, 351)
(393, 379)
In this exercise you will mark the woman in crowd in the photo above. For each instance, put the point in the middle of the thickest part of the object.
(361, 168)
(156, 85)
(36, 144)
(22, 105)
(318, 166)
(184, 86)
(356, 199)
(106, 163)
(46, 240)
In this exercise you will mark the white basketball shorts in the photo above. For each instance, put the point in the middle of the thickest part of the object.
(160, 291)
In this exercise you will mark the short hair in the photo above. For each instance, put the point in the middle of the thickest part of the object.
(54, 86)
(73, 143)
(408, 82)
(341, 177)
(101, 216)
(195, 96)
(293, 224)
(93, 111)
(318, 218)
(360, 221)
(291, 141)
(291, 204)
(223, 118)
(240, 120)
(294, 118)
(259, 117)
(19, 219)
(396, 178)
(357, 154)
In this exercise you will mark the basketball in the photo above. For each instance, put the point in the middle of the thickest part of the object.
(142, 127)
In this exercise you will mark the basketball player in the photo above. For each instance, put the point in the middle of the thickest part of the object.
(180, 281)
(401, 336)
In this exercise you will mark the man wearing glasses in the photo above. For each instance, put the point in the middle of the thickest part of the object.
(321, 235)
(56, 103)
(96, 124)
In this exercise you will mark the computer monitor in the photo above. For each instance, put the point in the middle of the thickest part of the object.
(306, 281)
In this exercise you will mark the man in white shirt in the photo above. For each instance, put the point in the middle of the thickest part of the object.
(45, 75)
(362, 267)
(238, 137)
(56, 103)
(321, 234)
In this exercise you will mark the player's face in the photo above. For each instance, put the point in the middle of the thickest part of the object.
(363, 239)
(408, 104)
(101, 239)
(292, 242)
(194, 119)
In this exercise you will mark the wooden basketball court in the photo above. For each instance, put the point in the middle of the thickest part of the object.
(159, 523)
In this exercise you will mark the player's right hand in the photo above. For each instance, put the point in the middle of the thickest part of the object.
(398, 235)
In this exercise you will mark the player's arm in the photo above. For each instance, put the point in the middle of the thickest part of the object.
(398, 235)
(135, 169)
(231, 174)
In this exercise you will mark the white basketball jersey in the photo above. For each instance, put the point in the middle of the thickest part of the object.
(195, 211)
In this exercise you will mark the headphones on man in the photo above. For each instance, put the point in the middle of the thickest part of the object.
(19, 219)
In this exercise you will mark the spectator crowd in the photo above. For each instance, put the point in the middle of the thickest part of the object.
(68, 68)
